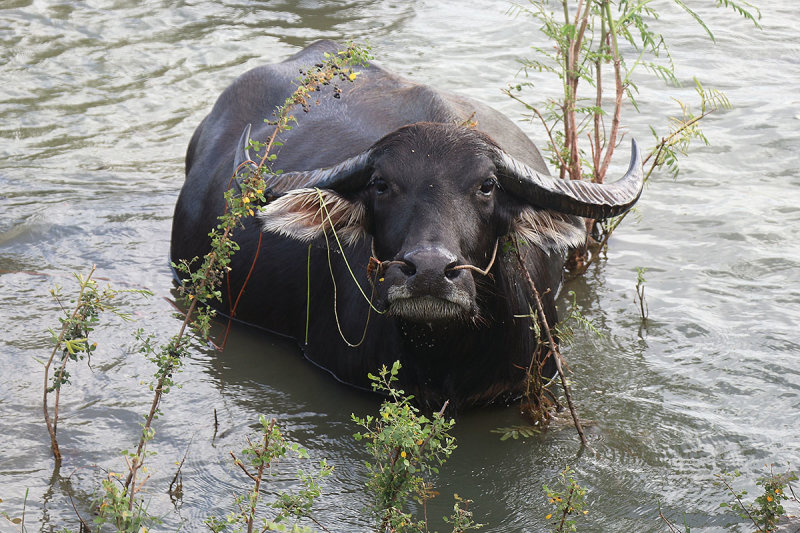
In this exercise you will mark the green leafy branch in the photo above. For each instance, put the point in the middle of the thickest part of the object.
(406, 447)
(71, 343)
(202, 285)
(767, 509)
(568, 500)
(257, 461)
(682, 131)
(589, 38)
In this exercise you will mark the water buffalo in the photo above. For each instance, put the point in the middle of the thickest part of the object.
(428, 182)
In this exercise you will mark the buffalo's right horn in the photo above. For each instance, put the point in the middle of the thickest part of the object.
(242, 159)
(348, 176)
(573, 197)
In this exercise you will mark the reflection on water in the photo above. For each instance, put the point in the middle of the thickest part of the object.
(97, 104)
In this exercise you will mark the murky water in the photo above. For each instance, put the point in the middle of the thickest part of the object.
(97, 103)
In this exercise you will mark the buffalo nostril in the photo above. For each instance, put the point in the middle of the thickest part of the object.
(408, 268)
(451, 272)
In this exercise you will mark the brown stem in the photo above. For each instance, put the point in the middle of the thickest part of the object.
(240, 464)
(177, 479)
(561, 163)
(552, 397)
(52, 425)
(665, 141)
(323, 528)
(553, 346)
(259, 453)
(620, 91)
(569, 105)
(565, 512)
(642, 303)
(670, 525)
(83, 525)
(740, 502)
(794, 496)
(598, 125)
(138, 459)
(572, 79)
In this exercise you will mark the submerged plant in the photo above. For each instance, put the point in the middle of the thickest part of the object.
(257, 462)
(118, 504)
(766, 510)
(534, 406)
(584, 127)
(640, 281)
(568, 500)
(71, 343)
(462, 519)
(406, 448)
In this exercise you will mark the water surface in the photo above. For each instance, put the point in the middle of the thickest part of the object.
(97, 104)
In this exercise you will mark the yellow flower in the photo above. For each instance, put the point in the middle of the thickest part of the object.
(353, 76)
(769, 498)
(259, 191)
(245, 200)
(548, 517)
(419, 442)
(403, 454)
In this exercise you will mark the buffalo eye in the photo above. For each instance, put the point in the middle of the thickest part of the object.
(488, 186)
(379, 184)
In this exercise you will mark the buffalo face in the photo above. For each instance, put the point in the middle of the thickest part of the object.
(432, 210)
(436, 199)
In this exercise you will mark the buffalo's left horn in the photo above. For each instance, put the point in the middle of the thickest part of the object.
(573, 197)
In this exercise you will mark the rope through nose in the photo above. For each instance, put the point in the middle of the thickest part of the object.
(378, 266)
(484, 272)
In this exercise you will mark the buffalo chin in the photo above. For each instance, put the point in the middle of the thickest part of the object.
(429, 309)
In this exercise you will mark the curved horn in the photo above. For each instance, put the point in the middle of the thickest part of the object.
(243, 153)
(573, 197)
(348, 176)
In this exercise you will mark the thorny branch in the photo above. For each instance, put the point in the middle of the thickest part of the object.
(553, 347)
(52, 425)
(655, 155)
(210, 271)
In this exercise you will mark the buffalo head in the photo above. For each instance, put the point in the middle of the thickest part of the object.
(436, 199)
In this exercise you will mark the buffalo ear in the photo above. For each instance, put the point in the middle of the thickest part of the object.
(549, 230)
(304, 214)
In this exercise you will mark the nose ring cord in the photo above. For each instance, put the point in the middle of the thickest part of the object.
(484, 272)
(378, 266)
